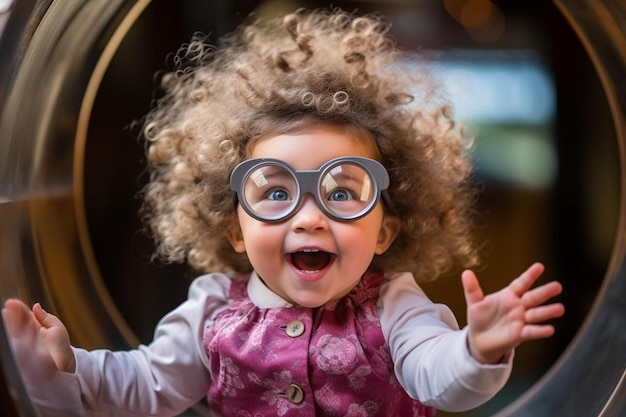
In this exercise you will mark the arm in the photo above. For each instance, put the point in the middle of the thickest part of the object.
(429, 352)
(431, 356)
(163, 378)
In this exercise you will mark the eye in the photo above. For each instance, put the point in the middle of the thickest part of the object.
(340, 195)
(278, 194)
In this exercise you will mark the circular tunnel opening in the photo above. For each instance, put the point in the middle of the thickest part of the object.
(569, 223)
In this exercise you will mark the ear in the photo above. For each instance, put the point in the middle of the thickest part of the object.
(235, 237)
(388, 232)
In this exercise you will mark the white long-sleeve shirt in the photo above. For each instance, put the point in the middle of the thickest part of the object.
(429, 352)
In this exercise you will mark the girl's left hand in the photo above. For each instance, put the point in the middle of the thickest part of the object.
(501, 321)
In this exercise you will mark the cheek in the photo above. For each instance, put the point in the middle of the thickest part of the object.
(360, 239)
(261, 240)
(264, 250)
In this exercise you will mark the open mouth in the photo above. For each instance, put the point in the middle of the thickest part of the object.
(311, 260)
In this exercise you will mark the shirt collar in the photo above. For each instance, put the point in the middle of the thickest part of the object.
(262, 296)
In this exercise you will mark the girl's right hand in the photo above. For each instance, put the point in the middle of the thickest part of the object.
(40, 341)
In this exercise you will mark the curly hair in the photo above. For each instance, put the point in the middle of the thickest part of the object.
(276, 76)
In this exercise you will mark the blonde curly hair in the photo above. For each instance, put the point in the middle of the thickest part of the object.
(282, 75)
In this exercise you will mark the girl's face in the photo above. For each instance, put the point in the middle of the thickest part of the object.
(310, 259)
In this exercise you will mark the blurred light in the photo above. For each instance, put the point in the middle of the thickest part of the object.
(274, 8)
(507, 100)
(482, 19)
(454, 8)
(5, 5)
(476, 13)
(504, 88)
(523, 157)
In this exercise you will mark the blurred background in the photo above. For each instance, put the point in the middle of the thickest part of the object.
(546, 154)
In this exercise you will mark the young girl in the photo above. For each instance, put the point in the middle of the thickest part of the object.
(292, 164)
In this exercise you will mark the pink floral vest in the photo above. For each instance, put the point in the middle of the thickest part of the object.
(327, 361)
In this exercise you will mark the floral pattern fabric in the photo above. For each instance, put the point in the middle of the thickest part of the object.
(337, 364)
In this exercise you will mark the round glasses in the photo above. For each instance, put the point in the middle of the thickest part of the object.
(345, 188)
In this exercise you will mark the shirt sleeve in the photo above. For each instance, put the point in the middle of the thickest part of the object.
(160, 379)
(430, 354)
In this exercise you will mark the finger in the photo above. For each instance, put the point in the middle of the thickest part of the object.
(16, 316)
(543, 313)
(526, 280)
(541, 294)
(532, 332)
(9, 321)
(471, 288)
(44, 318)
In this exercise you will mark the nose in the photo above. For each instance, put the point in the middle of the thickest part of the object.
(309, 216)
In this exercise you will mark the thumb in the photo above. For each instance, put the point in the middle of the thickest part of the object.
(56, 339)
(471, 288)
(46, 319)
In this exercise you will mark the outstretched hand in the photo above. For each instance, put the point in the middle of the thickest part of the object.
(501, 321)
(40, 341)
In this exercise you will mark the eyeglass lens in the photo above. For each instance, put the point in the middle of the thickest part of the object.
(273, 192)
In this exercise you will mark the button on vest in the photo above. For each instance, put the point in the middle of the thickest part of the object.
(295, 394)
(295, 328)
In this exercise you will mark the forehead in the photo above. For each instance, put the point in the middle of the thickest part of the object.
(311, 147)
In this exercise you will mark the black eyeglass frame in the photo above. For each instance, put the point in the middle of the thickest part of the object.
(309, 182)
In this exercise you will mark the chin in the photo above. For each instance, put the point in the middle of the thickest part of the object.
(311, 304)
(307, 303)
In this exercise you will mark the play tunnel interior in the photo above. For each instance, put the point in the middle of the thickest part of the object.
(539, 84)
